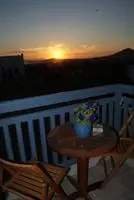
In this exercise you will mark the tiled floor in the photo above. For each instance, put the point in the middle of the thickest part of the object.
(121, 187)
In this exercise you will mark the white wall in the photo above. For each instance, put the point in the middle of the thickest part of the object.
(11, 64)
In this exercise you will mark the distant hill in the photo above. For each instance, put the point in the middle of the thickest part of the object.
(125, 52)
(125, 56)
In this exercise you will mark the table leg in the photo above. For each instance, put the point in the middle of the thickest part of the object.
(82, 180)
(82, 174)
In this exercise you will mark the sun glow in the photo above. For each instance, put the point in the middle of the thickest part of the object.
(58, 53)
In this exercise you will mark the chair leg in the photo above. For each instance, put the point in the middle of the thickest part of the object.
(60, 192)
(112, 173)
(118, 165)
(105, 166)
(112, 162)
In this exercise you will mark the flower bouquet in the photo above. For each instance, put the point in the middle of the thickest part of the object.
(84, 117)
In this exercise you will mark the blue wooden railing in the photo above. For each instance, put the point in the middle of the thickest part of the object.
(25, 123)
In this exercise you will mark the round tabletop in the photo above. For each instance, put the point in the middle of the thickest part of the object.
(63, 140)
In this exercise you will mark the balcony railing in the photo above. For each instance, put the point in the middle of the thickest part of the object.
(25, 123)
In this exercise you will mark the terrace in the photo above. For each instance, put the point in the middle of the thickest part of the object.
(25, 123)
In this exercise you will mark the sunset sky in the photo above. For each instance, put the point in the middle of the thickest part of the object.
(42, 29)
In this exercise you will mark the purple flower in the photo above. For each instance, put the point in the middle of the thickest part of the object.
(80, 116)
(89, 105)
(93, 118)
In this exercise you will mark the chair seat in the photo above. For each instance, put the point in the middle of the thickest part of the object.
(55, 171)
(122, 147)
(25, 184)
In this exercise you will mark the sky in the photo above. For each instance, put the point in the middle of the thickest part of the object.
(42, 29)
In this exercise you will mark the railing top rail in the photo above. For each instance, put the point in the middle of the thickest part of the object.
(45, 100)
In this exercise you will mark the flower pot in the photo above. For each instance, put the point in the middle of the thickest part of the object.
(82, 131)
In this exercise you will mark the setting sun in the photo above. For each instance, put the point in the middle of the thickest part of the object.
(58, 53)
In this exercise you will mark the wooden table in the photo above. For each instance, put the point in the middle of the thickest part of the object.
(63, 140)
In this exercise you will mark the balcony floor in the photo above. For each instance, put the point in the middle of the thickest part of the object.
(121, 187)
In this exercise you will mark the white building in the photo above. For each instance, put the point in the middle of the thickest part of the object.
(11, 67)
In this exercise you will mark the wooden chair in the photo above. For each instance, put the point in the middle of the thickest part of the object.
(32, 180)
(123, 150)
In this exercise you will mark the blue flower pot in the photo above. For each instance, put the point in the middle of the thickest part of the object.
(82, 131)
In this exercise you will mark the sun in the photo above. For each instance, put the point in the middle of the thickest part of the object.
(58, 54)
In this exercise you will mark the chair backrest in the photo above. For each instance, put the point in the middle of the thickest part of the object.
(127, 129)
(38, 178)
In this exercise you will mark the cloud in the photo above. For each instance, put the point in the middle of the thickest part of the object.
(14, 52)
(84, 51)
(43, 48)
(55, 46)
(79, 54)
(88, 47)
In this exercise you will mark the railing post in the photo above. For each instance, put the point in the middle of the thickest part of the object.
(117, 109)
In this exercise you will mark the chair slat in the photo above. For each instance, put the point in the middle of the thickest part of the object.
(27, 183)
(35, 178)
(30, 180)
(56, 169)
